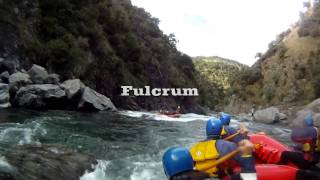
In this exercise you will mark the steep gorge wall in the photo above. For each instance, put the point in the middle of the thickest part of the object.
(105, 43)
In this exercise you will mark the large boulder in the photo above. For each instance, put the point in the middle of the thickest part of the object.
(48, 162)
(313, 108)
(282, 116)
(72, 87)
(40, 96)
(52, 79)
(16, 81)
(4, 96)
(19, 78)
(38, 74)
(268, 116)
(298, 121)
(94, 101)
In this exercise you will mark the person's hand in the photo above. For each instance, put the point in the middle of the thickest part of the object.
(243, 130)
(246, 147)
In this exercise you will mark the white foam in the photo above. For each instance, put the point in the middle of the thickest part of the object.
(22, 133)
(99, 172)
(154, 116)
(147, 171)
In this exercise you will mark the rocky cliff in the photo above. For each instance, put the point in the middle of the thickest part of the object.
(216, 78)
(105, 43)
(289, 72)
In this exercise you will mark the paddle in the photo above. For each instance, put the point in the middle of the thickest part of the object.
(231, 136)
(225, 158)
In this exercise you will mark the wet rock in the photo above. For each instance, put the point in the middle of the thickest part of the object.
(40, 96)
(39, 162)
(312, 108)
(5, 77)
(94, 101)
(19, 78)
(52, 79)
(282, 116)
(268, 116)
(38, 74)
(4, 96)
(72, 87)
(299, 119)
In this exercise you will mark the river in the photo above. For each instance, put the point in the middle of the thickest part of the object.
(129, 145)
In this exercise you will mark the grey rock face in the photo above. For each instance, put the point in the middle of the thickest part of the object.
(52, 79)
(72, 87)
(312, 108)
(40, 96)
(94, 101)
(19, 78)
(39, 162)
(268, 116)
(38, 74)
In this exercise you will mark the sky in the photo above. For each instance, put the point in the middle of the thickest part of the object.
(234, 29)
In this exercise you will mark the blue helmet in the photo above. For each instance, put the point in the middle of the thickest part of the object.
(214, 128)
(176, 160)
(225, 118)
(308, 120)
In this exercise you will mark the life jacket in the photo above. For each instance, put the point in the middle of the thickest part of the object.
(205, 153)
(312, 146)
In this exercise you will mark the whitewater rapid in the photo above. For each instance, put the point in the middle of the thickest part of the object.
(128, 144)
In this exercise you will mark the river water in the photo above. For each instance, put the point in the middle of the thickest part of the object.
(128, 145)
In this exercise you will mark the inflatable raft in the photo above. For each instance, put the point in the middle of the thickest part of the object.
(267, 154)
(172, 115)
(267, 149)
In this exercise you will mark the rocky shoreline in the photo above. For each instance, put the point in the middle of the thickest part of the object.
(50, 162)
(37, 89)
(287, 115)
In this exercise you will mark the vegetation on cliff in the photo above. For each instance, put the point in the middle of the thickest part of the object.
(217, 77)
(105, 43)
(289, 72)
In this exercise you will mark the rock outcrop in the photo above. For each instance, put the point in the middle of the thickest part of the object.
(37, 89)
(92, 100)
(38, 74)
(72, 87)
(39, 162)
(40, 97)
(19, 78)
(313, 108)
(268, 116)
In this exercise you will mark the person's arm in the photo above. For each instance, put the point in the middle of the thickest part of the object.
(247, 162)
(236, 139)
